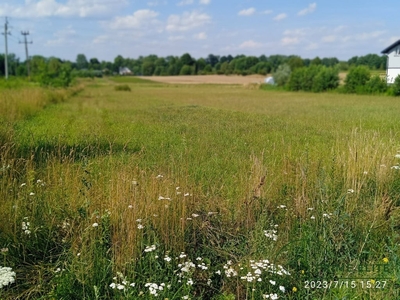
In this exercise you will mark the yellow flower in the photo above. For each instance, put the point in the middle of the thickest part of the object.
(385, 260)
(302, 271)
(294, 289)
(372, 281)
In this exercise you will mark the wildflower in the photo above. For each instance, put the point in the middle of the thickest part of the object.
(185, 297)
(95, 224)
(272, 282)
(396, 167)
(23, 184)
(190, 282)
(365, 172)
(31, 194)
(150, 248)
(120, 287)
(397, 155)
(350, 191)
(372, 281)
(281, 206)
(310, 208)
(159, 176)
(130, 206)
(113, 285)
(218, 272)
(195, 215)
(385, 260)
(140, 226)
(182, 255)
(4, 250)
(163, 198)
(282, 288)
(7, 276)
(294, 289)
(271, 234)
(312, 218)
(186, 194)
(167, 258)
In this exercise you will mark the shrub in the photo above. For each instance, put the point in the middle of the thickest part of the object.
(356, 79)
(314, 78)
(282, 74)
(122, 87)
(376, 85)
(395, 87)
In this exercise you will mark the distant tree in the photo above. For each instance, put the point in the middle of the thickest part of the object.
(295, 62)
(356, 79)
(316, 61)
(81, 62)
(207, 69)
(94, 64)
(212, 59)
(186, 70)
(118, 63)
(148, 68)
(282, 74)
(200, 65)
(186, 59)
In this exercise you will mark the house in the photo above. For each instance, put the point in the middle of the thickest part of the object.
(393, 61)
(125, 71)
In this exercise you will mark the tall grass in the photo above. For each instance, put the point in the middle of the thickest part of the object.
(200, 192)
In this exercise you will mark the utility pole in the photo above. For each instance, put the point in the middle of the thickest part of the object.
(6, 33)
(25, 33)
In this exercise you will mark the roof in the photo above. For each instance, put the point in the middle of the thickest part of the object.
(387, 50)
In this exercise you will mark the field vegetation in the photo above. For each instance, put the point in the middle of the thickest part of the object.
(124, 188)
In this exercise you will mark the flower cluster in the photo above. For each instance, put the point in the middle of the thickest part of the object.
(25, 226)
(7, 276)
(123, 284)
(154, 288)
(272, 233)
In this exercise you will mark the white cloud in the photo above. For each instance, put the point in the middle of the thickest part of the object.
(267, 12)
(288, 41)
(185, 2)
(280, 17)
(52, 8)
(310, 9)
(297, 31)
(369, 35)
(64, 36)
(139, 19)
(205, 2)
(187, 21)
(329, 38)
(200, 36)
(176, 38)
(247, 12)
(250, 44)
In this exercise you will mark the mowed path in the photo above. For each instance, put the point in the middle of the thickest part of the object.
(208, 79)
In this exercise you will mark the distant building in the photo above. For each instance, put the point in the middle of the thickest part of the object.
(393, 61)
(125, 71)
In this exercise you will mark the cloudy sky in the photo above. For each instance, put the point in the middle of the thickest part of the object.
(107, 28)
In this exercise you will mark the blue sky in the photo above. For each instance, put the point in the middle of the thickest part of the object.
(107, 28)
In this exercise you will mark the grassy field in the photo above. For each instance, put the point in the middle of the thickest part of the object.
(198, 192)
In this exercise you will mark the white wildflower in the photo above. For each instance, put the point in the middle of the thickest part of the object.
(7, 276)
(95, 224)
(282, 288)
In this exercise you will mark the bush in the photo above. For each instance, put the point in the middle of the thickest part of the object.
(282, 74)
(395, 87)
(122, 87)
(356, 79)
(314, 78)
(376, 85)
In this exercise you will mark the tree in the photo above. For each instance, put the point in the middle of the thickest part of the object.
(186, 59)
(212, 59)
(295, 62)
(316, 61)
(118, 63)
(282, 74)
(356, 79)
(94, 64)
(81, 62)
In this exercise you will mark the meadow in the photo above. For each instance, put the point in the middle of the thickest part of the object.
(124, 188)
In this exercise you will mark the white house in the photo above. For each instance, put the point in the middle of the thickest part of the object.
(393, 61)
(124, 71)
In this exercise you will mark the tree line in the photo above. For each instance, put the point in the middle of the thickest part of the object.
(58, 72)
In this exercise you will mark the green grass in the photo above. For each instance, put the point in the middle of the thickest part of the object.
(186, 163)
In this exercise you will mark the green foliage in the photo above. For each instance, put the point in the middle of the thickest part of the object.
(186, 70)
(282, 75)
(395, 87)
(356, 79)
(60, 76)
(376, 85)
(122, 87)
